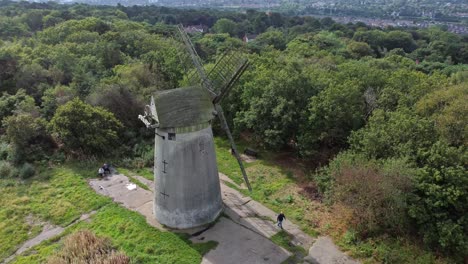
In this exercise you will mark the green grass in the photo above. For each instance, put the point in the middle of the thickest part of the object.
(227, 163)
(60, 196)
(129, 233)
(144, 172)
(271, 185)
(390, 250)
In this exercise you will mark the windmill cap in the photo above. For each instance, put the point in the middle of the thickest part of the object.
(183, 107)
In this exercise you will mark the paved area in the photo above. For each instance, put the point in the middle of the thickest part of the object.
(139, 199)
(240, 245)
(243, 237)
(325, 251)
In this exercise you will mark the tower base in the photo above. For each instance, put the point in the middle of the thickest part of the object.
(187, 192)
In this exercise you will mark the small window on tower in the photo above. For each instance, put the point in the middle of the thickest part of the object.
(171, 136)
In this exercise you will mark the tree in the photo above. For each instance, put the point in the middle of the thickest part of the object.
(225, 25)
(55, 97)
(331, 116)
(121, 102)
(273, 97)
(440, 202)
(399, 39)
(84, 129)
(28, 136)
(393, 134)
(8, 68)
(447, 107)
(20, 102)
(274, 38)
(358, 50)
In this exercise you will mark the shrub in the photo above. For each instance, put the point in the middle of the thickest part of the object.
(145, 153)
(324, 177)
(26, 171)
(376, 192)
(85, 247)
(6, 169)
(28, 138)
(4, 150)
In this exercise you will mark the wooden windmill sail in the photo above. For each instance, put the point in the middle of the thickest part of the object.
(187, 192)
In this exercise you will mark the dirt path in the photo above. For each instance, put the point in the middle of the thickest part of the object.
(243, 236)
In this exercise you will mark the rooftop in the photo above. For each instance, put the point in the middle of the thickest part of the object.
(183, 107)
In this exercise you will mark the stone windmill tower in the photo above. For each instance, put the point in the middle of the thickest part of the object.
(187, 192)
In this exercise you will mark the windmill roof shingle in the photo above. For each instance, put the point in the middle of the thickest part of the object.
(183, 107)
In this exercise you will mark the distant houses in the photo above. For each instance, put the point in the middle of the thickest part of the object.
(195, 29)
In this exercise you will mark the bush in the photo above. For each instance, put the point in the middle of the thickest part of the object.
(26, 171)
(28, 138)
(375, 191)
(4, 150)
(85, 247)
(6, 169)
(145, 155)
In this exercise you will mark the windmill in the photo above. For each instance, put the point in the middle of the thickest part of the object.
(187, 192)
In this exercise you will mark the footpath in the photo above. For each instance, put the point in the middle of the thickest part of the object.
(243, 233)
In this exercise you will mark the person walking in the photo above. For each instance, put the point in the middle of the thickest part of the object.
(280, 219)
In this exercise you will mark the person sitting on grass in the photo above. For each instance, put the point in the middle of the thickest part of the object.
(280, 219)
(106, 168)
(101, 172)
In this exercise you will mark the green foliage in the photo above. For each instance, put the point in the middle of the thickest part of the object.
(225, 25)
(121, 102)
(7, 170)
(439, 204)
(28, 137)
(358, 50)
(393, 134)
(272, 100)
(332, 115)
(86, 129)
(212, 45)
(55, 97)
(11, 27)
(14, 103)
(274, 38)
(26, 171)
(447, 107)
